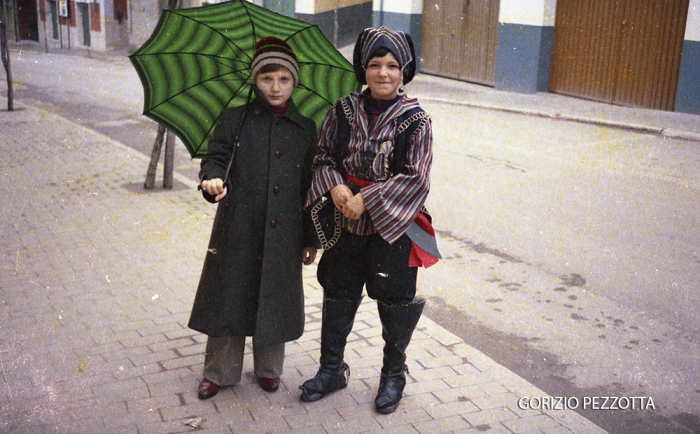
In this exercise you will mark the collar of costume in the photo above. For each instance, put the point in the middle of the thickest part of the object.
(375, 107)
(378, 106)
(356, 101)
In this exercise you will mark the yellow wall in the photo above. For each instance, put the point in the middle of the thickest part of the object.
(320, 6)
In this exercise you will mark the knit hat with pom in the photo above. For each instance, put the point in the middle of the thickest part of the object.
(274, 51)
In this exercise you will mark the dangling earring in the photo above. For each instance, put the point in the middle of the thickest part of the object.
(401, 91)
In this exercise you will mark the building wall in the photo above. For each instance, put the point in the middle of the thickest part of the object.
(104, 29)
(340, 20)
(72, 36)
(688, 93)
(525, 35)
(97, 35)
(143, 17)
(403, 15)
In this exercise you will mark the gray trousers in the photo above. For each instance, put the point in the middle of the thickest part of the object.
(223, 360)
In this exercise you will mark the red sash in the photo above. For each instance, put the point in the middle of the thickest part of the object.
(418, 256)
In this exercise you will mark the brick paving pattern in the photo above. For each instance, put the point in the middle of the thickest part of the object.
(97, 279)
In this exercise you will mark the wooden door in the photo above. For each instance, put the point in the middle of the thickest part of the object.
(85, 19)
(27, 20)
(622, 51)
(458, 39)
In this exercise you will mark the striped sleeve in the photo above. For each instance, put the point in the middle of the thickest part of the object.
(394, 204)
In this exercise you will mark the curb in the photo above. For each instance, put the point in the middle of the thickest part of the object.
(680, 134)
(666, 132)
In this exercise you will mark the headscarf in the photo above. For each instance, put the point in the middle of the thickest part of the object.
(397, 43)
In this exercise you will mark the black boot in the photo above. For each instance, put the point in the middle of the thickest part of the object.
(398, 323)
(338, 318)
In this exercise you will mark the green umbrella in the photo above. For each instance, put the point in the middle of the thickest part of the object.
(197, 63)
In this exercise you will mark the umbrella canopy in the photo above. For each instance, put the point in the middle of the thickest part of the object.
(197, 63)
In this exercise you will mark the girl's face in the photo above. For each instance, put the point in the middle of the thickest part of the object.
(276, 86)
(383, 76)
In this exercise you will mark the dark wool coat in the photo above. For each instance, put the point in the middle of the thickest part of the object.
(251, 282)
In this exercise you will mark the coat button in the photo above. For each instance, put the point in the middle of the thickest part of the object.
(273, 223)
(276, 189)
(278, 154)
(278, 121)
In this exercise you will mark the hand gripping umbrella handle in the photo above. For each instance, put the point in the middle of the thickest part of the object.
(235, 139)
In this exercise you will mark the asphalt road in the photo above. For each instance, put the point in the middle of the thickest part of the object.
(575, 260)
(570, 249)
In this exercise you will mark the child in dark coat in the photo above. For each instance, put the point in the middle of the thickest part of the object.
(251, 282)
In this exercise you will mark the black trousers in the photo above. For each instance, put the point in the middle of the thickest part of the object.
(356, 261)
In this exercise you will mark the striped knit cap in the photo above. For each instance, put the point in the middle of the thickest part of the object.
(397, 42)
(274, 51)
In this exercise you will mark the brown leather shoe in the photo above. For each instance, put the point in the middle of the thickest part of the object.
(269, 384)
(207, 389)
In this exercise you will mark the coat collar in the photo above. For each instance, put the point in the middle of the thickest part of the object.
(292, 113)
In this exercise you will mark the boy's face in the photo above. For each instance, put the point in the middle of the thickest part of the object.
(383, 76)
(276, 86)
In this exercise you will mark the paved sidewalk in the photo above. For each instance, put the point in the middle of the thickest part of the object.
(97, 279)
(555, 106)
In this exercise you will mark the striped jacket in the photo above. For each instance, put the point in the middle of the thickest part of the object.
(391, 204)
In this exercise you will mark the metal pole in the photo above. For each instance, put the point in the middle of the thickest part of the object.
(336, 24)
(169, 159)
(68, 23)
(5, 54)
(46, 36)
(15, 23)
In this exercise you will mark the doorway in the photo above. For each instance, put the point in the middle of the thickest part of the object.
(459, 39)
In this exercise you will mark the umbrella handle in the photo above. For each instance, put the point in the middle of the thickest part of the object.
(238, 134)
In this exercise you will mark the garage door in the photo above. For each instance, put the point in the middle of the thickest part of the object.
(625, 52)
